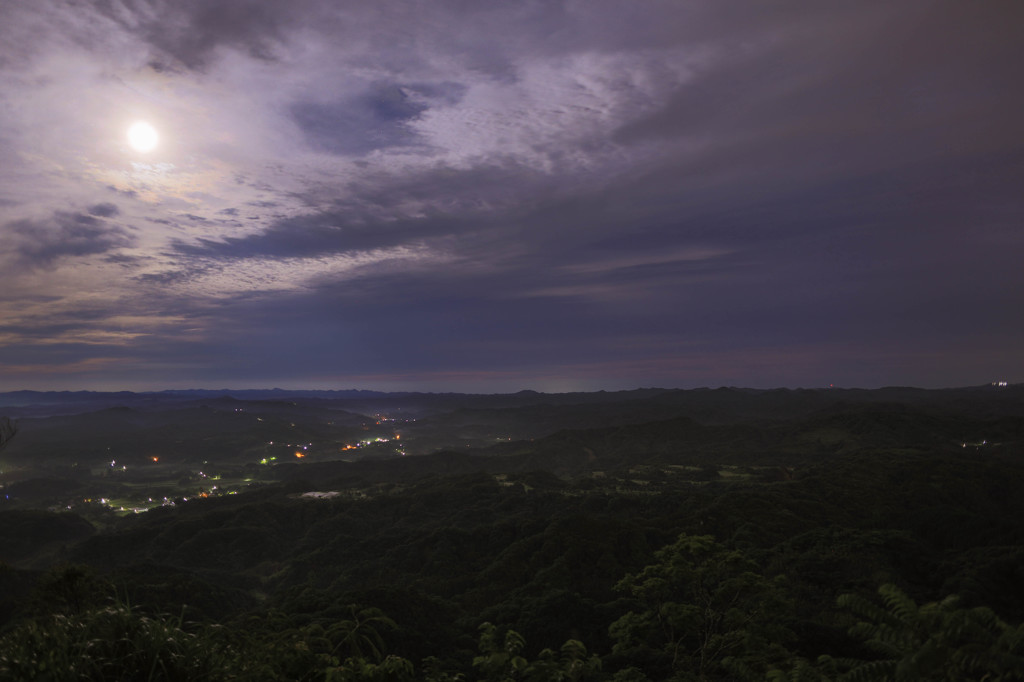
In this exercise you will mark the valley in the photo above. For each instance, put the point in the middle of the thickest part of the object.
(280, 518)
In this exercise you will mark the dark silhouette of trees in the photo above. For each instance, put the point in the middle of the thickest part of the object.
(115, 644)
(697, 604)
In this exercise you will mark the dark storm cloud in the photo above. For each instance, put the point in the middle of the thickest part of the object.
(41, 243)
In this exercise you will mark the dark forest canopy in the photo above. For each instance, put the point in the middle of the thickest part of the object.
(655, 534)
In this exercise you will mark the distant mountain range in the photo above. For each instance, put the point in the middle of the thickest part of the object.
(705, 404)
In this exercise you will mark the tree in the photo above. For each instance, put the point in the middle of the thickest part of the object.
(115, 643)
(500, 659)
(69, 589)
(697, 604)
(570, 664)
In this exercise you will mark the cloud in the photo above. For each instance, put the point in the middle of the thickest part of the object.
(645, 260)
(314, 235)
(188, 32)
(104, 210)
(444, 189)
(41, 243)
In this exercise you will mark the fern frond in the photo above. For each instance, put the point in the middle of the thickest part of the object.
(899, 604)
(874, 671)
(864, 608)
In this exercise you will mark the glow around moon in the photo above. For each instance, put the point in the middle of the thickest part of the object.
(142, 137)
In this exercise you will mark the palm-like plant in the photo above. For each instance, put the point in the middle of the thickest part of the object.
(359, 636)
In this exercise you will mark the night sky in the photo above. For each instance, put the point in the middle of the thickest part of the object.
(495, 196)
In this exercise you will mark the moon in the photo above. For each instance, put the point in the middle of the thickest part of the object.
(142, 136)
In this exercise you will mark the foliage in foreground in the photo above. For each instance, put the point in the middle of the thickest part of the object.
(114, 644)
(702, 614)
(935, 641)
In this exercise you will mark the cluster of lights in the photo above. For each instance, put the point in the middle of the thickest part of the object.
(299, 454)
(364, 443)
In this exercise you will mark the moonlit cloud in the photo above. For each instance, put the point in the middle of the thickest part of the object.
(64, 235)
(495, 196)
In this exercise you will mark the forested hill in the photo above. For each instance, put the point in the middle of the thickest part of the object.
(550, 559)
(806, 535)
(686, 445)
